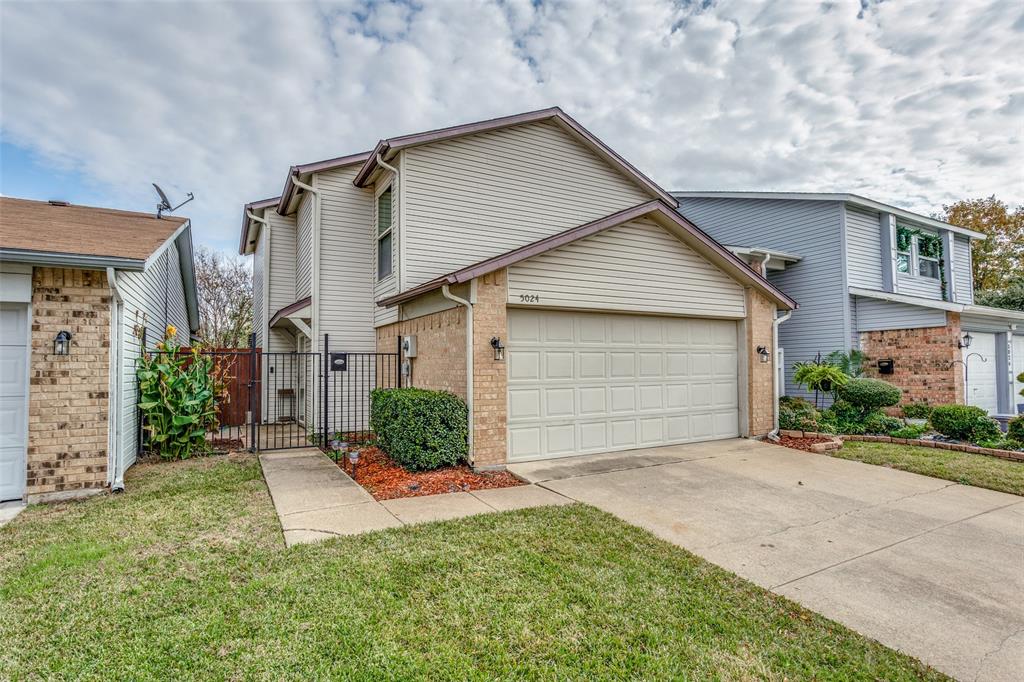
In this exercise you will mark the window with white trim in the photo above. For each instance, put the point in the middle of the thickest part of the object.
(918, 253)
(384, 230)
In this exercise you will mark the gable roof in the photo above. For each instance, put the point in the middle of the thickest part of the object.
(243, 243)
(854, 199)
(83, 236)
(288, 193)
(661, 212)
(390, 146)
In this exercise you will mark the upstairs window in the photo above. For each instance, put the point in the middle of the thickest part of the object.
(384, 234)
(918, 253)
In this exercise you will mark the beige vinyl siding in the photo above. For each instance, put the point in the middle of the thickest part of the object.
(634, 267)
(151, 299)
(259, 318)
(389, 285)
(304, 247)
(478, 196)
(346, 262)
(863, 248)
(281, 263)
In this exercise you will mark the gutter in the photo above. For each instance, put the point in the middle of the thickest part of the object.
(71, 260)
(315, 257)
(446, 292)
(774, 433)
(115, 476)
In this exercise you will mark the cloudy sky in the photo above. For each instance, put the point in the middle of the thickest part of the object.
(912, 103)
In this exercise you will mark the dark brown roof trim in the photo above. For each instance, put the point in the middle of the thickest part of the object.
(573, 234)
(289, 309)
(396, 143)
(288, 193)
(252, 206)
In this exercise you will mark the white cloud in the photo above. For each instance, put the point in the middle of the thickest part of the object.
(911, 103)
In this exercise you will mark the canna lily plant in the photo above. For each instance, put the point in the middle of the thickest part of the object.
(177, 397)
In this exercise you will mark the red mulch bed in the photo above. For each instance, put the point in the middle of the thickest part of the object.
(386, 480)
(801, 443)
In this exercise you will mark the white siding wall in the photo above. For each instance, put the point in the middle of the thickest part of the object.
(259, 318)
(873, 315)
(481, 195)
(863, 248)
(281, 264)
(347, 265)
(152, 299)
(304, 247)
(634, 267)
(390, 284)
(962, 269)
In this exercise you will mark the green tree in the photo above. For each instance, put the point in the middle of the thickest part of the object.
(998, 260)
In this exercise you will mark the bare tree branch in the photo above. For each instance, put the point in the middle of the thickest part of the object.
(225, 298)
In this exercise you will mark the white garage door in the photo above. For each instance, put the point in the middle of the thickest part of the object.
(13, 405)
(980, 375)
(592, 382)
(1018, 370)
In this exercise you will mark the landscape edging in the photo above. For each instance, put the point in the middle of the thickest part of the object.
(958, 447)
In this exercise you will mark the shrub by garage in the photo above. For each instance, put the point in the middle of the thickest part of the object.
(420, 429)
(964, 422)
(870, 394)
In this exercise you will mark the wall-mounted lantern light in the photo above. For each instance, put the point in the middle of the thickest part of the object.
(762, 352)
(499, 350)
(62, 343)
(965, 342)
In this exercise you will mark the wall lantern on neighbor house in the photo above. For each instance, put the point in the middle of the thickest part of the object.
(965, 342)
(763, 354)
(499, 350)
(62, 343)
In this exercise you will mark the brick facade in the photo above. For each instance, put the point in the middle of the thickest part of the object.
(68, 395)
(760, 389)
(440, 362)
(924, 360)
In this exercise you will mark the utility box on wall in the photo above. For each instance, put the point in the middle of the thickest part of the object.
(409, 346)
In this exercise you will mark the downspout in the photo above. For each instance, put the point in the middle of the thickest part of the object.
(114, 392)
(764, 265)
(774, 434)
(469, 362)
(315, 256)
(395, 237)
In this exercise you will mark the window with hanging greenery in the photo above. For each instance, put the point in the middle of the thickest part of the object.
(918, 253)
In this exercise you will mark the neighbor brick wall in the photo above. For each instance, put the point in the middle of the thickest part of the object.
(760, 390)
(923, 358)
(490, 378)
(68, 395)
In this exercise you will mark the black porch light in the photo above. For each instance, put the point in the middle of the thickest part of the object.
(62, 343)
(763, 354)
(499, 350)
(965, 342)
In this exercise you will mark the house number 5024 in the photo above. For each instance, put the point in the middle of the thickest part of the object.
(529, 298)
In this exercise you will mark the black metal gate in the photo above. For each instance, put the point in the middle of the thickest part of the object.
(279, 400)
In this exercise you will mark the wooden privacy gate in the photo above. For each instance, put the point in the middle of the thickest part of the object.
(280, 400)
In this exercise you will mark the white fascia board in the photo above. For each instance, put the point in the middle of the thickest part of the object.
(1002, 313)
(71, 260)
(855, 199)
(909, 300)
(155, 256)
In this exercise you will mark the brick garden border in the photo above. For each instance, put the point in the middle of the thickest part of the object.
(1012, 455)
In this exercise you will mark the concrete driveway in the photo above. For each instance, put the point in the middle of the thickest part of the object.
(929, 567)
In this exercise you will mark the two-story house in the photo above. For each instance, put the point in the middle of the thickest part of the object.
(535, 273)
(894, 284)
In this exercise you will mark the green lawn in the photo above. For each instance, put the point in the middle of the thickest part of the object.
(963, 467)
(186, 576)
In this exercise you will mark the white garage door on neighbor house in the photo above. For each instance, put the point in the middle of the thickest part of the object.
(13, 399)
(594, 382)
(1018, 369)
(980, 372)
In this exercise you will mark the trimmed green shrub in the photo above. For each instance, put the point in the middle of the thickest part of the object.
(916, 411)
(869, 394)
(797, 414)
(1015, 429)
(420, 429)
(964, 422)
(909, 431)
(843, 417)
(882, 424)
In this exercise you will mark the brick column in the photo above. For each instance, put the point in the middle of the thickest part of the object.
(68, 395)
(760, 389)
(490, 377)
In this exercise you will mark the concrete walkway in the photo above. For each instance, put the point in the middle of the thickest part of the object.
(10, 510)
(923, 565)
(315, 500)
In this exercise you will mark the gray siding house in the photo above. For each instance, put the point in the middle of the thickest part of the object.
(891, 283)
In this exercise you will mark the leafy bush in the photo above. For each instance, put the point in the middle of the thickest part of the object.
(881, 423)
(869, 394)
(420, 429)
(797, 414)
(177, 390)
(916, 411)
(819, 377)
(964, 422)
(909, 431)
(850, 362)
(842, 417)
(1015, 429)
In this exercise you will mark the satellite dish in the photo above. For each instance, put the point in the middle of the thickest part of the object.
(165, 203)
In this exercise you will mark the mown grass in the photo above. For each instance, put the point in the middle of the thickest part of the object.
(186, 576)
(963, 467)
